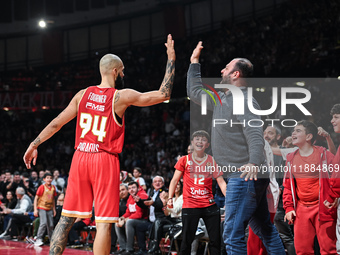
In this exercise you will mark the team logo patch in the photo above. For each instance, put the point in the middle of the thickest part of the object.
(208, 164)
(190, 162)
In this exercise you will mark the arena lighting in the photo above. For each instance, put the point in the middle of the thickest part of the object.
(166, 101)
(300, 83)
(338, 77)
(42, 23)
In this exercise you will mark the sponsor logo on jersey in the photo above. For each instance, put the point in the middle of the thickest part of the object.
(95, 107)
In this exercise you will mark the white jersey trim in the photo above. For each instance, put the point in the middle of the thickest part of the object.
(106, 218)
(76, 212)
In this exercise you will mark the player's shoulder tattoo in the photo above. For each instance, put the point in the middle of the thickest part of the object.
(117, 96)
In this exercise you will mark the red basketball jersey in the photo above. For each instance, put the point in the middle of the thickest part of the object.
(97, 128)
(197, 180)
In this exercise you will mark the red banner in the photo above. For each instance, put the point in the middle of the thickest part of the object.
(35, 100)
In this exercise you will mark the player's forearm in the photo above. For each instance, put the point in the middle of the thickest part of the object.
(52, 128)
(172, 186)
(222, 184)
(168, 81)
(330, 143)
(35, 204)
(276, 151)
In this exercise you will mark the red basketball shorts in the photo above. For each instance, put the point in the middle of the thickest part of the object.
(93, 181)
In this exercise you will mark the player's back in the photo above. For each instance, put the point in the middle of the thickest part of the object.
(97, 126)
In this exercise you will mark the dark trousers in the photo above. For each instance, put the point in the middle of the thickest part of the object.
(113, 235)
(73, 234)
(17, 221)
(285, 231)
(141, 230)
(212, 219)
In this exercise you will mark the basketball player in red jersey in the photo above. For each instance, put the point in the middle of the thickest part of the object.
(94, 173)
(198, 169)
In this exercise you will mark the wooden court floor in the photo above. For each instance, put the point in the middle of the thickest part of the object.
(22, 248)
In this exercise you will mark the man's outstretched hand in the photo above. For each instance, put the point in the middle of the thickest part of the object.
(196, 53)
(249, 171)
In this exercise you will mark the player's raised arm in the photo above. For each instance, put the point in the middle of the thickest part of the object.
(133, 97)
(53, 127)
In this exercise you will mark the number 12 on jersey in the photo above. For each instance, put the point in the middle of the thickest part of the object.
(88, 122)
(200, 179)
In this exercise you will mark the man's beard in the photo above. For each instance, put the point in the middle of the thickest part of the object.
(119, 82)
(226, 80)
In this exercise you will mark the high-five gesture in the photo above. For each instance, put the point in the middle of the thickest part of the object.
(170, 48)
(196, 53)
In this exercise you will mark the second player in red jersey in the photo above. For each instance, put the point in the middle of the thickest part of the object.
(197, 170)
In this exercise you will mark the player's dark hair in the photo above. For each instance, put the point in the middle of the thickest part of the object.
(200, 133)
(133, 182)
(138, 169)
(310, 127)
(47, 174)
(335, 109)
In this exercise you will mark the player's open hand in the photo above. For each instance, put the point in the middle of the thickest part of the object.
(170, 45)
(249, 171)
(30, 154)
(290, 217)
(196, 53)
(331, 205)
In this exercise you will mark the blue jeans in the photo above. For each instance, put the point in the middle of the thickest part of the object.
(246, 202)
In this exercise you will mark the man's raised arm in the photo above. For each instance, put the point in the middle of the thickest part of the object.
(127, 97)
(194, 80)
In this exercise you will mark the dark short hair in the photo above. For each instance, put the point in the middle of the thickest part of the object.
(25, 174)
(138, 169)
(277, 129)
(335, 109)
(245, 67)
(16, 173)
(133, 182)
(310, 127)
(200, 133)
(47, 174)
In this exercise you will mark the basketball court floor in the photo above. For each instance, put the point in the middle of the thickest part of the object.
(19, 248)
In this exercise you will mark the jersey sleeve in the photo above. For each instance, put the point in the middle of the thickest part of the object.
(141, 181)
(55, 191)
(181, 164)
(216, 171)
(40, 190)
